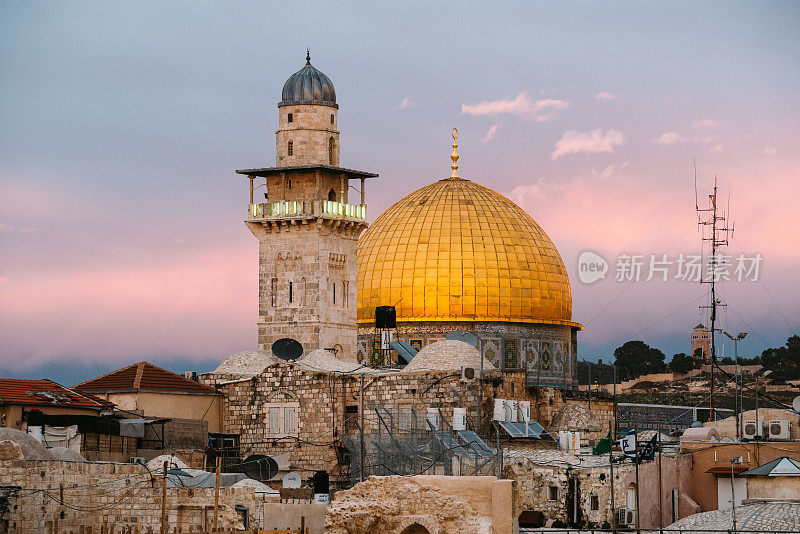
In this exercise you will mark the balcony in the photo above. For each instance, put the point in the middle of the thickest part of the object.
(306, 209)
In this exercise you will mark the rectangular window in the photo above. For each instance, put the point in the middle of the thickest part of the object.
(345, 293)
(289, 118)
(594, 502)
(510, 353)
(552, 493)
(275, 420)
(291, 296)
(288, 420)
(274, 291)
(334, 292)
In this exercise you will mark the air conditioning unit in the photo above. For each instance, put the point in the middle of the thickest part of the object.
(432, 418)
(750, 430)
(779, 429)
(630, 517)
(469, 373)
(138, 460)
(626, 517)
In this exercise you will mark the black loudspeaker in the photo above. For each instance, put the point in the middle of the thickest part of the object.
(385, 317)
(321, 482)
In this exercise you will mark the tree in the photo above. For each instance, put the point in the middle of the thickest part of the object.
(681, 363)
(638, 358)
(784, 361)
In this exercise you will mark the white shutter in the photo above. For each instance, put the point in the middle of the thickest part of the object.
(288, 420)
(275, 420)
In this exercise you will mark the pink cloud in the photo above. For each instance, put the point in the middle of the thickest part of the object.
(670, 138)
(596, 141)
(406, 103)
(604, 97)
(541, 110)
(490, 133)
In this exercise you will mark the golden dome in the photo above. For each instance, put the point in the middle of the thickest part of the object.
(457, 251)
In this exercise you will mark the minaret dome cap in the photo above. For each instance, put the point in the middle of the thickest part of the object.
(308, 86)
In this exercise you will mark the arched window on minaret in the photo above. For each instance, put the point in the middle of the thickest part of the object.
(332, 195)
(331, 143)
(290, 149)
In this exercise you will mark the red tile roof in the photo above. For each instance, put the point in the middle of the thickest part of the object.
(45, 393)
(144, 376)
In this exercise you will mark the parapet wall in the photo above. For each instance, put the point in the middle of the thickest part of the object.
(72, 494)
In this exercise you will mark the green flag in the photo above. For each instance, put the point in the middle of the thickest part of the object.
(603, 446)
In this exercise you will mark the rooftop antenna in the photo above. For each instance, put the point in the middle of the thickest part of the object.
(718, 238)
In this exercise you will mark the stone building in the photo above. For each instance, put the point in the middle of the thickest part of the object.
(308, 226)
(457, 256)
(701, 341)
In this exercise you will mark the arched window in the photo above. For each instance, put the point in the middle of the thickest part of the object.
(330, 151)
(332, 195)
(332, 121)
(290, 149)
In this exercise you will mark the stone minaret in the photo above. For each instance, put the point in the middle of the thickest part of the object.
(307, 225)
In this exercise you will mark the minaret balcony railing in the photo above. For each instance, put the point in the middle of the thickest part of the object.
(331, 207)
(294, 208)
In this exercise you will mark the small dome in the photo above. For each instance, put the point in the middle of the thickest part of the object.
(246, 362)
(308, 86)
(447, 355)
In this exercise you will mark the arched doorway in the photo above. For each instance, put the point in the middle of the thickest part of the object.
(416, 528)
(332, 195)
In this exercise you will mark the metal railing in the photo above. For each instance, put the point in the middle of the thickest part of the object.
(306, 207)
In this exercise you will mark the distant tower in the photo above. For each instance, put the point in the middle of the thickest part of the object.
(701, 339)
(307, 227)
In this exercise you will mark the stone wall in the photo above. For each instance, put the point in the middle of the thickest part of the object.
(434, 504)
(546, 353)
(326, 408)
(71, 494)
(537, 474)
(310, 132)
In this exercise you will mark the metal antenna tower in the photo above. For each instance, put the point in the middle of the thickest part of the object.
(718, 238)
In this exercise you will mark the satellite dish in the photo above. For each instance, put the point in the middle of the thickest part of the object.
(260, 467)
(463, 335)
(287, 349)
(796, 404)
(292, 480)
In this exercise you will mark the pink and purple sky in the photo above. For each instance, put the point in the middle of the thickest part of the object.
(121, 235)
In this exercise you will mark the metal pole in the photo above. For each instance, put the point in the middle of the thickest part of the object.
(660, 503)
(590, 385)
(758, 426)
(736, 406)
(636, 462)
(216, 491)
(611, 466)
(733, 499)
(164, 499)
(363, 450)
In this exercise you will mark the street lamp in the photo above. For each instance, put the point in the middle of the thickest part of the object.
(737, 390)
(758, 427)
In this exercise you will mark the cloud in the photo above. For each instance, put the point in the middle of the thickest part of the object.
(596, 141)
(716, 148)
(670, 138)
(706, 123)
(541, 110)
(770, 150)
(605, 97)
(605, 173)
(5, 227)
(406, 103)
(490, 133)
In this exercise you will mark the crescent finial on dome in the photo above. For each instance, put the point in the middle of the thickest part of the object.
(308, 56)
(454, 155)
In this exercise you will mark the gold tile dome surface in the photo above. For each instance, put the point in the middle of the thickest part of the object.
(458, 251)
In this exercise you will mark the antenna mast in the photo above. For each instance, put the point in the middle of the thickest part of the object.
(719, 237)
